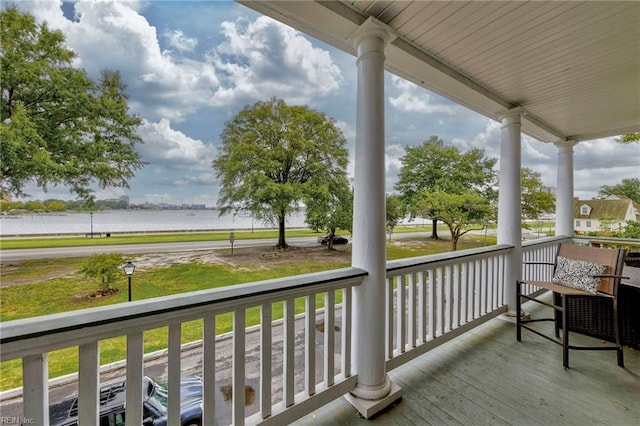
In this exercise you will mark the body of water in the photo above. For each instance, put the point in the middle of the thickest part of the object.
(115, 221)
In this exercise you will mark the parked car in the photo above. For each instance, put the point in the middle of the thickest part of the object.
(337, 239)
(154, 405)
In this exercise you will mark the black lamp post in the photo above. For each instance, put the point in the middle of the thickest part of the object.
(129, 268)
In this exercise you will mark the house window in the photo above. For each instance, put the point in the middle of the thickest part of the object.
(577, 223)
(588, 224)
(584, 210)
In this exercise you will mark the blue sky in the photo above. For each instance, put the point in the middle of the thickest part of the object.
(191, 65)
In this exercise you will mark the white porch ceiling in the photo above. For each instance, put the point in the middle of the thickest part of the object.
(573, 67)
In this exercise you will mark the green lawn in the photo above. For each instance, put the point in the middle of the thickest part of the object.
(37, 291)
(39, 242)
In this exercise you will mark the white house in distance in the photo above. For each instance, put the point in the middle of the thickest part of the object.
(609, 214)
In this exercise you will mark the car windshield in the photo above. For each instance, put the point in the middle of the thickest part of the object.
(157, 396)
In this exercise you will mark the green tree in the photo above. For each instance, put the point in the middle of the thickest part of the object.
(629, 188)
(629, 138)
(7, 206)
(55, 206)
(460, 212)
(58, 127)
(630, 230)
(105, 267)
(331, 208)
(535, 199)
(433, 167)
(396, 210)
(35, 206)
(273, 156)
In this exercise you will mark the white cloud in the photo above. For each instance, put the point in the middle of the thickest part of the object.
(257, 60)
(596, 163)
(603, 162)
(176, 160)
(114, 35)
(348, 131)
(173, 149)
(393, 154)
(264, 58)
(413, 98)
(49, 11)
(178, 40)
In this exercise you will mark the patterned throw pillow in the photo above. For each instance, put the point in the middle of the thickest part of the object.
(578, 274)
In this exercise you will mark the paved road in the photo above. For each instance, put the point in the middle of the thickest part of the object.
(59, 252)
(45, 253)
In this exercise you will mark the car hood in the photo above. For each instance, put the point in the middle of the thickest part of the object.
(191, 391)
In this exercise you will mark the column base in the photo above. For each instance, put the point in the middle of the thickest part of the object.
(370, 407)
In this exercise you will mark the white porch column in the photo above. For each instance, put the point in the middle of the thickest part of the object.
(509, 202)
(373, 391)
(564, 193)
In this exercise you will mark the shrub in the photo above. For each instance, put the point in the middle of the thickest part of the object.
(105, 267)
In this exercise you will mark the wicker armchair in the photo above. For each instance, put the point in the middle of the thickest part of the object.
(580, 273)
(633, 259)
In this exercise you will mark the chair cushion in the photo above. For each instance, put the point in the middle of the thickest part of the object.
(578, 274)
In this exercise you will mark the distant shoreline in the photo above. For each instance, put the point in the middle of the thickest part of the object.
(113, 234)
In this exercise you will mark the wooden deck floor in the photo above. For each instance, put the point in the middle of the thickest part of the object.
(486, 377)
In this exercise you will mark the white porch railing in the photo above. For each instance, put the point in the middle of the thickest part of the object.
(31, 339)
(430, 300)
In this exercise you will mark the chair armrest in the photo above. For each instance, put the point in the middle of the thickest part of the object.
(610, 276)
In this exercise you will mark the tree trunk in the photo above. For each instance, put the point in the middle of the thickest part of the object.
(332, 233)
(434, 229)
(282, 243)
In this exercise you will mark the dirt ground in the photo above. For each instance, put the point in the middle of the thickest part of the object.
(248, 258)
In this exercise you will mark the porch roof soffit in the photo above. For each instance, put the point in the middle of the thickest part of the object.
(559, 105)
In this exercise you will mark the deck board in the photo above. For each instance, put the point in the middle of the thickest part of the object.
(486, 377)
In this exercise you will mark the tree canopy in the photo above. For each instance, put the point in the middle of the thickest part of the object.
(433, 167)
(629, 138)
(629, 188)
(274, 156)
(59, 127)
(535, 200)
(460, 212)
(395, 211)
(630, 230)
(330, 208)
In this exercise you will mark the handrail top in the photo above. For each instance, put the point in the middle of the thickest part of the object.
(17, 329)
(630, 242)
(395, 265)
(546, 241)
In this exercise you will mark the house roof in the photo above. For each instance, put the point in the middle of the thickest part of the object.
(573, 67)
(603, 209)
